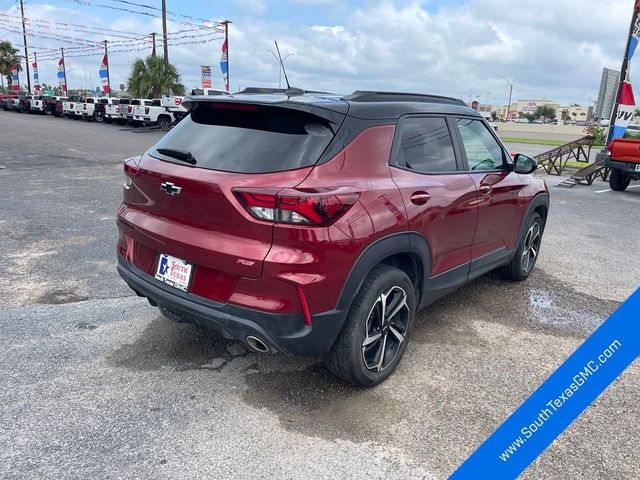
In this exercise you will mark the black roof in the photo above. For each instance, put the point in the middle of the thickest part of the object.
(359, 104)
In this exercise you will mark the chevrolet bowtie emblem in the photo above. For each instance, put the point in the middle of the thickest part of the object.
(170, 188)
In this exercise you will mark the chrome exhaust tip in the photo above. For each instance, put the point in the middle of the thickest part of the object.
(257, 344)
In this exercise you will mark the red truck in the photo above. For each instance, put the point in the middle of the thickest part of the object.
(623, 158)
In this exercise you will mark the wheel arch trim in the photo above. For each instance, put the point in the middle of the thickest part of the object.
(374, 254)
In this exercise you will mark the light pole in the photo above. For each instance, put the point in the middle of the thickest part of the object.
(279, 65)
(510, 92)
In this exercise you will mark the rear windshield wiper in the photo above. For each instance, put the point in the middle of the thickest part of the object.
(177, 154)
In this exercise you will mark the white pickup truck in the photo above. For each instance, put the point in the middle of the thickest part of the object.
(174, 105)
(99, 108)
(121, 110)
(112, 110)
(37, 104)
(70, 106)
(87, 108)
(209, 91)
(151, 112)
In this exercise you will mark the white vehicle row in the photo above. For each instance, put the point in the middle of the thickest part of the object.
(163, 111)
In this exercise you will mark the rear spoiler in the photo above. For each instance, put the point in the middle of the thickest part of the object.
(331, 110)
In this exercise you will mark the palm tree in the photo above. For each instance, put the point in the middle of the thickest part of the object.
(8, 58)
(150, 78)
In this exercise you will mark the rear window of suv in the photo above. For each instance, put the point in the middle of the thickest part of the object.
(245, 138)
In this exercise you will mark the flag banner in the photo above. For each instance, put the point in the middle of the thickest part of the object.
(626, 108)
(15, 80)
(104, 74)
(36, 78)
(224, 65)
(560, 399)
(635, 33)
(205, 76)
(61, 78)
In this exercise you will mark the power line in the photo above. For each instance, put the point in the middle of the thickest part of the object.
(36, 22)
(48, 57)
(189, 20)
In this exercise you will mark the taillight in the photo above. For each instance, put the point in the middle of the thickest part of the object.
(146, 110)
(117, 109)
(84, 106)
(130, 170)
(129, 109)
(301, 207)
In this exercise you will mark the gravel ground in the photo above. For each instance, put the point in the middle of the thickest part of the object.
(96, 384)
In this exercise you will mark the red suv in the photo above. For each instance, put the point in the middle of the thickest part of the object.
(310, 223)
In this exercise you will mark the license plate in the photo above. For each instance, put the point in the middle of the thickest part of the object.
(638, 168)
(174, 271)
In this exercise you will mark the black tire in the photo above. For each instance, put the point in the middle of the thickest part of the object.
(522, 265)
(362, 365)
(98, 117)
(619, 181)
(165, 123)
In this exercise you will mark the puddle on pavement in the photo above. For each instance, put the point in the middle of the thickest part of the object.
(57, 297)
(165, 344)
(315, 403)
(540, 299)
(539, 303)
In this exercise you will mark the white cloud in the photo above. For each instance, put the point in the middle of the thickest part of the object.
(548, 48)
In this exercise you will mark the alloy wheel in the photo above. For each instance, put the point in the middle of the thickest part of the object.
(531, 247)
(386, 329)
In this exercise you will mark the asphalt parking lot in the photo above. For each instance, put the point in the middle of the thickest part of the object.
(96, 384)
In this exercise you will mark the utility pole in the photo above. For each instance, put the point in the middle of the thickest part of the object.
(153, 38)
(280, 65)
(106, 55)
(164, 33)
(64, 72)
(26, 52)
(510, 92)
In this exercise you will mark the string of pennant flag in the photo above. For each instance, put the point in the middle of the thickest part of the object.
(119, 41)
(104, 68)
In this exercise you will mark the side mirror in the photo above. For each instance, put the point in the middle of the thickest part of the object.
(524, 164)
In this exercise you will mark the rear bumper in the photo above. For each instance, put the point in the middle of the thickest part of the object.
(625, 167)
(286, 333)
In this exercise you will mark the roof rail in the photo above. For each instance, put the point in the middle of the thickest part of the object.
(292, 90)
(261, 90)
(371, 96)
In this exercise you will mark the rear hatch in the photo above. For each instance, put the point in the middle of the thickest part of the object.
(191, 211)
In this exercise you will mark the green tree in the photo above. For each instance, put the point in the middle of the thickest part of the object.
(8, 58)
(546, 112)
(494, 115)
(150, 78)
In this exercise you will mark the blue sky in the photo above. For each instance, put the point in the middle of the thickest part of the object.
(548, 48)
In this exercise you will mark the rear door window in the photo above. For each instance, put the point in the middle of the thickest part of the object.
(424, 145)
(246, 138)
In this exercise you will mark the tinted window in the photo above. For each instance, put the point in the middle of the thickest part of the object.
(425, 146)
(248, 139)
(482, 149)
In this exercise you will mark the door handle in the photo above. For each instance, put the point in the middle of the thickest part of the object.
(485, 189)
(420, 198)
